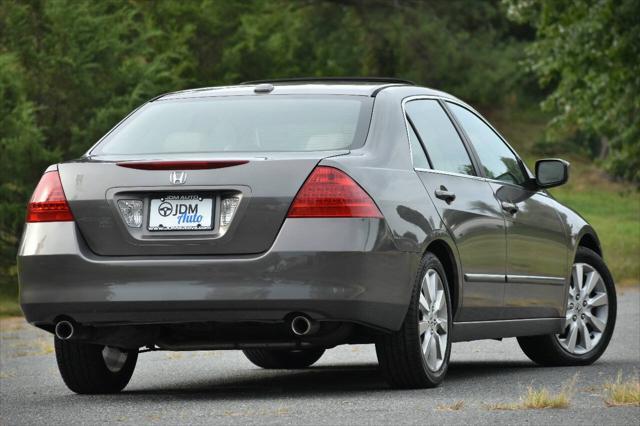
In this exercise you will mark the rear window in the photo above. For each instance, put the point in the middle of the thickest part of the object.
(242, 123)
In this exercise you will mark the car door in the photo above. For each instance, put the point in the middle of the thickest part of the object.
(466, 204)
(536, 239)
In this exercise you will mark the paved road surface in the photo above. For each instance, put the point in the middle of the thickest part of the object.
(343, 388)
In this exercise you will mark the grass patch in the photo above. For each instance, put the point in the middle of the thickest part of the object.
(621, 393)
(536, 399)
(540, 399)
(456, 406)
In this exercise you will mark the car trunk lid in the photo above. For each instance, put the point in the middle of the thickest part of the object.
(263, 183)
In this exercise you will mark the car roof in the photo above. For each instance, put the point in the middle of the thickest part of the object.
(310, 86)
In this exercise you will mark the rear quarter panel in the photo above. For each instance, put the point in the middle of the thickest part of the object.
(384, 169)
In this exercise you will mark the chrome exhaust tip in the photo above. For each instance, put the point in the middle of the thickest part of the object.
(303, 326)
(64, 330)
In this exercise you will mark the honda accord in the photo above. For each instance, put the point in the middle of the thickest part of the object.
(286, 217)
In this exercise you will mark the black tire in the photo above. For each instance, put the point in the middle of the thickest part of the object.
(84, 371)
(546, 350)
(400, 354)
(279, 359)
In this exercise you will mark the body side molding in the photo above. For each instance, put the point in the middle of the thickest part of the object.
(485, 278)
(477, 330)
(535, 279)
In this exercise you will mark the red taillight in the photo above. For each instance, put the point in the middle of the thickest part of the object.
(48, 202)
(329, 192)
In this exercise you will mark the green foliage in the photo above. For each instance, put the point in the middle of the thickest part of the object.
(466, 47)
(70, 70)
(22, 158)
(587, 53)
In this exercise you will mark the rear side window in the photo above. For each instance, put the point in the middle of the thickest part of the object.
(417, 152)
(444, 146)
(498, 161)
(242, 123)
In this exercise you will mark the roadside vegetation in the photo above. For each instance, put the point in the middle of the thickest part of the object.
(623, 392)
(540, 398)
(456, 406)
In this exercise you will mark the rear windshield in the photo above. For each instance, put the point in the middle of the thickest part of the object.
(242, 123)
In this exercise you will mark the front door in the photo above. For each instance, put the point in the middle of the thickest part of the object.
(537, 264)
(536, 240)
(467, 206)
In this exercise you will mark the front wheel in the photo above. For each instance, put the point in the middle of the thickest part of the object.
(94, 369)
(590, 317)
(417, 355)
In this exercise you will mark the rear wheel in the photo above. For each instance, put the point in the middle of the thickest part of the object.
(590, 317)
(94, 369)
(417, 356)
(279, 359)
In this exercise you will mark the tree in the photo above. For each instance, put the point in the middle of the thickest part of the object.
(69, 70)
(587, 53)
(23, 156)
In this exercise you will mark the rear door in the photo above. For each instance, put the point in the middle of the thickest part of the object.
(466, 204)
(536, 239)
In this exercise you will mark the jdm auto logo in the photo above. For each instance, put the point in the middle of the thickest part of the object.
(165, 209)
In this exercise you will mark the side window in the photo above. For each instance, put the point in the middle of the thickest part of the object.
(417, 152)
(498, 161)
(440, 138)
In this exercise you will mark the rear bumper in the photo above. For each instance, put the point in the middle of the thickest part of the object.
(332, 269)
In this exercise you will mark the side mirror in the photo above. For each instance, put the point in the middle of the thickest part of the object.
(551, 172)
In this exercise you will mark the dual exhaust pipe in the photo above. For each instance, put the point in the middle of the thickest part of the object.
(302, 325)
(67, 330)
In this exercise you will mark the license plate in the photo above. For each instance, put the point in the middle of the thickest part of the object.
(181, 213)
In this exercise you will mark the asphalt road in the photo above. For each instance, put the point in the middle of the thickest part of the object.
(343, 388)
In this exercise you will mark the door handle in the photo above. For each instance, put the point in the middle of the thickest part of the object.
(509, 207)
(445, 195)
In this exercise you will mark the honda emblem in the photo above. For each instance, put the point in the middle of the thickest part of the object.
(178, 178)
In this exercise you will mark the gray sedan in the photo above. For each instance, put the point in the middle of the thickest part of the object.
(283, 218)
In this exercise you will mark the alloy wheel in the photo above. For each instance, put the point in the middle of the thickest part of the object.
(587, 310)
(433, 324)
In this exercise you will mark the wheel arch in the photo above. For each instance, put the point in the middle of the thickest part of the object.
(445, 253)
(589, 239)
